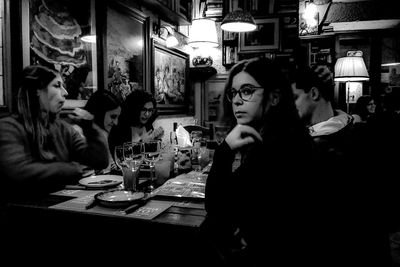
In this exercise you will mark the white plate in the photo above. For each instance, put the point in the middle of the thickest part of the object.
(118, 197)
(101, 181)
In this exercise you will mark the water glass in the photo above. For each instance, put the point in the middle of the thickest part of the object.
(151, 150)
(131, 178)
(162, 169)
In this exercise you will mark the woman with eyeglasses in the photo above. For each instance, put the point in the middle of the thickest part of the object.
(254, 210)
(138, 113)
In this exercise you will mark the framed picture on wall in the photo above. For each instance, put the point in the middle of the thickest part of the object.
(264, 38)
(126, 50)
(52, 34)
(171, 79)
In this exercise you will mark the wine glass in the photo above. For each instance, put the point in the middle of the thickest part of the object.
(133, 155)
(151, 151)
(119, 156)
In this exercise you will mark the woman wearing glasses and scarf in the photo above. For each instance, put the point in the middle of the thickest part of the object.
(138, 112)
(254, 210)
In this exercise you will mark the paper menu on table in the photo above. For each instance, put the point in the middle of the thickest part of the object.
(190, 185)
(146, 212)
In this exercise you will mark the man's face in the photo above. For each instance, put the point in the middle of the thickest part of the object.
(304, 103)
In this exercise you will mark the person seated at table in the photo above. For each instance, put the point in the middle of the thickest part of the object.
(258, 204)
(365, 109)
(138, 112)
(40, 151)
(106, 108)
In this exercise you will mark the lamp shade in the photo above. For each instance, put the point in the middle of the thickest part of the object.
(351, 68)
(203, 33)
(238, 21)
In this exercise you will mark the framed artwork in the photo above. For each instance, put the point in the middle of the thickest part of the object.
(126, 50)
(264, 38)
(52, 34)
(171, 79)
(5, 60)
(355, 90)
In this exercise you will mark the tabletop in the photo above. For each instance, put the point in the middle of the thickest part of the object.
(164, 226)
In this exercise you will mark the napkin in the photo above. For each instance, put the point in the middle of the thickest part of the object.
(183, 137)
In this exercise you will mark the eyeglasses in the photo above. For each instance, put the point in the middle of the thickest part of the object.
(147, 110)
(245, 92)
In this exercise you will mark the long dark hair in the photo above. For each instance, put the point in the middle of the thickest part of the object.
(361, 106)
(101, 102)
(35, 121)
(130, 116)
(132, 106)
(281, 118)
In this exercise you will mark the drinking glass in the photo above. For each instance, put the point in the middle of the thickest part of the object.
(151, 151)
(133, 154)
(133, 158)
(119, 156)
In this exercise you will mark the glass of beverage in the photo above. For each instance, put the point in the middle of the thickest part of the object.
(133, 158)
(151, 151)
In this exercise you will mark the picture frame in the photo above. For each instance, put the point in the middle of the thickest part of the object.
(62, 48)
(171, 80)
(127, 50)
(5, 60)
(265, 38)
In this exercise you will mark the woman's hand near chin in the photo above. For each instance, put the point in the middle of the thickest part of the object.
(241, 136)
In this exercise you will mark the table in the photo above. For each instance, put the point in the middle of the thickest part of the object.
(171, 238)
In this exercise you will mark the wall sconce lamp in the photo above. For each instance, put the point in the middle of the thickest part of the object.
(202, 36)
(350, 69)
(238, 21)
(89, 38)
(170, 39)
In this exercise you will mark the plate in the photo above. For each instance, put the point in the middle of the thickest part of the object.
(101, 181)
(118, 197)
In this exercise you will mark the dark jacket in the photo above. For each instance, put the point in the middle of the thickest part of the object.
(353, 191)
(261, 199)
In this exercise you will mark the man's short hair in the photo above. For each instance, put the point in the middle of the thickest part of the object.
(306, 78)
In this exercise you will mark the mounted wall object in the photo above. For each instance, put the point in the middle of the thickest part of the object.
(238, 21)
(202, 37)
(309, 18)
(351, 69)
(170, 39)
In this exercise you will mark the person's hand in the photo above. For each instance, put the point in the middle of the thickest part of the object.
(242, 135)
(79, 114)
(158, 133)
(82, 117)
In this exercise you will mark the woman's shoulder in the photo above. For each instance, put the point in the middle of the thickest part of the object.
(10, 121)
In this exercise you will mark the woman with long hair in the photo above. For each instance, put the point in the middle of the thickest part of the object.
(106, 108)
(39, 150)
(251, 203)
(138, 113)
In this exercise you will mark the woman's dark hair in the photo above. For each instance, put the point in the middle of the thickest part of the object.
(361, 106)
(132, 106)
(34, 78)
(101, 102)
(268, 74)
